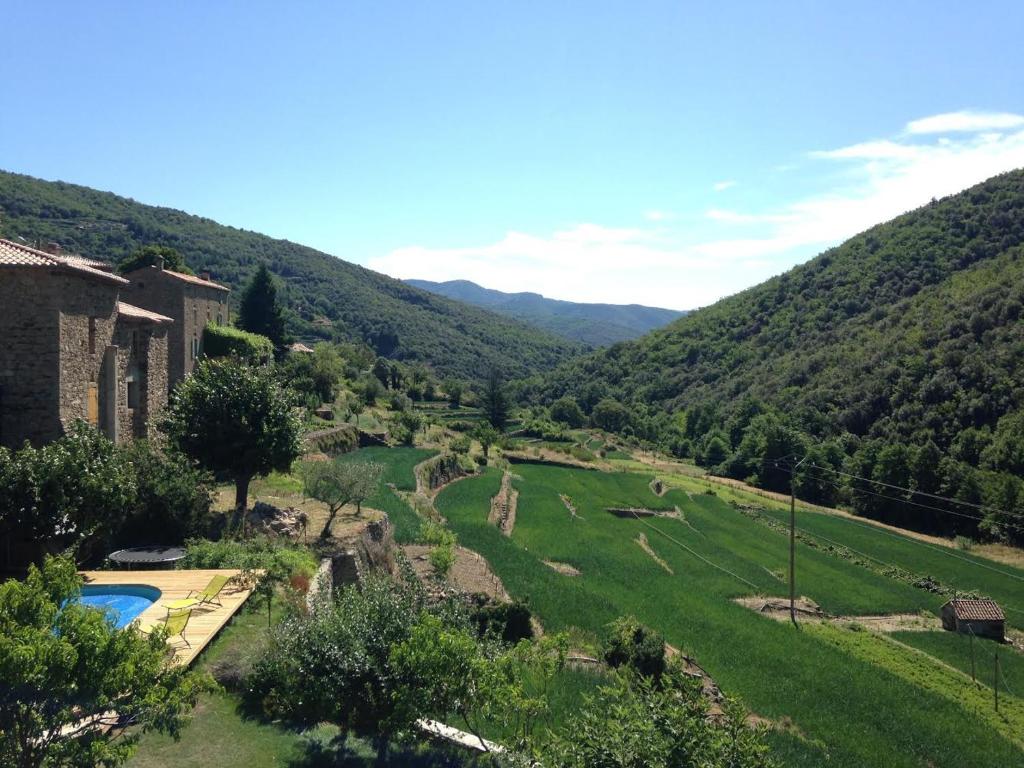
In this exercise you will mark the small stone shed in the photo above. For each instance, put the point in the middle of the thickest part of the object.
(982, 617)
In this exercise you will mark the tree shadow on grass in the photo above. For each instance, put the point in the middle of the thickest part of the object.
(322, 750)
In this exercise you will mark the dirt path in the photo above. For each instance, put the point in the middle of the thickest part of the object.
(563, 568)
(568, 505)
(808, 611)
(503, 505)
(645, 545)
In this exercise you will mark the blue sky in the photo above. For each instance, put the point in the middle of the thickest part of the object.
(656, 152)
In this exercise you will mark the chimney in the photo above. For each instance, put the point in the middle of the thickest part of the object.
(159, 263)
(205, 275)
(52, 248)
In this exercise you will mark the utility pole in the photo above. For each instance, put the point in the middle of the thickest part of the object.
(792, 539)
(973, 677)
(995, 681)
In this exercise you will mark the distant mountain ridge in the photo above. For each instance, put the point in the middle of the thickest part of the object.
(598, 325)
(327, 298)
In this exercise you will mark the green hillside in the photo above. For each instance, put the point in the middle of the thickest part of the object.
(899, 355)
(328, 297)
(598, 325)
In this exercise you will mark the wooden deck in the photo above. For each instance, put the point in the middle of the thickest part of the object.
(204, 623)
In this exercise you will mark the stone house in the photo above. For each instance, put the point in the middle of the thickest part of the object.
(71, 349)
(193, 302)
(983, 618)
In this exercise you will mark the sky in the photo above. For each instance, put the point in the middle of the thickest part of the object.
(662, 153)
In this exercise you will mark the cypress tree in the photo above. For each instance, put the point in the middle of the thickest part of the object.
(260, 311)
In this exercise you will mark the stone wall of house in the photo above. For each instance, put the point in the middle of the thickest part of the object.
(142, 356)
(29, 359)
(88, 318)
(191, 306)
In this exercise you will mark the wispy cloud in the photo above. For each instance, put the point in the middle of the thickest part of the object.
(861, 184)
(721, 186)
(965, 121)
(659, 215)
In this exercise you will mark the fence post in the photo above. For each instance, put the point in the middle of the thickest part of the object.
(995, 680)
(973, 676)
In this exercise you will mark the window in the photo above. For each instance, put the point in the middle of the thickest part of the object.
(133, 387)
(92, 335)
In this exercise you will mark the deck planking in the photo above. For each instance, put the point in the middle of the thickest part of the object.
(205, 622)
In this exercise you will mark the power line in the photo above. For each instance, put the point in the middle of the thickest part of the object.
(980, 507)
(1019, 529)
(696, 554)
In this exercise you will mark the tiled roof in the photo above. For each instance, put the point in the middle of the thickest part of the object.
(17, 255)
(131, 312)
(195, 280)
(977, 610)
(298, 346)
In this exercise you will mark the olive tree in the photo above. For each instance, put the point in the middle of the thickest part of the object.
(69, 679)
(234, 419)
(338, 482)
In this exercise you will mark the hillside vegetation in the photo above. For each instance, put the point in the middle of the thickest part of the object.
(328, 298)
(598, 325)
(897, 356)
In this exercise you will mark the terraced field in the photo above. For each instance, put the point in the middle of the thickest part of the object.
(398, 471)
(840, 697)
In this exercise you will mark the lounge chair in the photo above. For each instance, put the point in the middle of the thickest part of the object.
(176, 624)
(208, 596)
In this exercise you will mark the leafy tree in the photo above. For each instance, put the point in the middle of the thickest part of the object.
(173, 497)
(234, 419)
(149, 255)
(635, 721)
(610, 415)
(495, 400)
(715, 449)
(486, 435)
(65, 670)
(337, 483)
(318, 374)
(1006, 452)
(453, 389)
(369, 390)
(72, 492)
(445, 670)
(567, 411)
(335, 665)
(259, 310)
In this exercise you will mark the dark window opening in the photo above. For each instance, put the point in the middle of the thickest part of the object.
(92, 335)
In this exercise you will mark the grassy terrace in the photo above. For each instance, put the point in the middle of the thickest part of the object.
(852, 701)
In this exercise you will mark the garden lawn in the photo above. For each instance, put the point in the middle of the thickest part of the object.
(846, 708)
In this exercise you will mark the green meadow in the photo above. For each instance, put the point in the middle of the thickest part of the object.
(839, 697)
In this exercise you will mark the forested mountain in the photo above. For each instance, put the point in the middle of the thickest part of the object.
(598, 325)
(327, 297)
(897, 357)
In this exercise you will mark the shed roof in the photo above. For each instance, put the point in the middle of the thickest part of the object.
(131, 312)
(193, 279)
(977, 610)
(17, 255)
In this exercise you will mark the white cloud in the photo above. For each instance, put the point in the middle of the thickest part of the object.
(721, 186)
(965, 121)
(684, 267)
(659, 215)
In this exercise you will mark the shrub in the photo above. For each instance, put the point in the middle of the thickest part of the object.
(630, 643)
(225, 341)
(509, 621)
(256, 553)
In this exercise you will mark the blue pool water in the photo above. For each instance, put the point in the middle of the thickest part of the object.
(121, 602)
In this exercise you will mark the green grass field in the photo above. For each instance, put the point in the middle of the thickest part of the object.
(955, 650)
(851, 704)
(398, 470)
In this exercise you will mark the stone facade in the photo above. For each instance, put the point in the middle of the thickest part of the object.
(192, 302)
(71, 350)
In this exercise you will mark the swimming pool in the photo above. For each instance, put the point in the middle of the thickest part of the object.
(121, 602)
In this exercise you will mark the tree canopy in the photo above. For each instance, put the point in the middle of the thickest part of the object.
(259, 310)
(149, 255)
(234, 419)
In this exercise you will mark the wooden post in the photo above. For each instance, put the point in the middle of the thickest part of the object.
(973, 676)
(792, 549)
(995, 681)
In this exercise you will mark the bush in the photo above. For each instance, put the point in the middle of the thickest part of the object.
(225, 341)
(567, 411)
(173, 498)
(509, 621)
(629, 643)
(251, 554)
